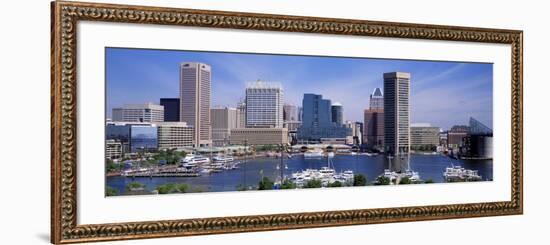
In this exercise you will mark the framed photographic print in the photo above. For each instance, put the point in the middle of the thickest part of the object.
(175, 122)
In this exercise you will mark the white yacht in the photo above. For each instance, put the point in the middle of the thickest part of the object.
(223, 159)
(216, 167)
(345, 177)
(188, 165)
(457, 173)
(191, 160)
(313, 154)
(393, 176)
(412, 175)
(327, 175)
(327, 171)
(396, 176)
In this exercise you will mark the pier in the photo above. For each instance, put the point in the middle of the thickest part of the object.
(165, 174)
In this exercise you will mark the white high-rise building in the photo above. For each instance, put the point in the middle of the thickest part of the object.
(195, 93)
(397, 112)
(113, 149)
(264, 105)
(147, 112)
(290, 113)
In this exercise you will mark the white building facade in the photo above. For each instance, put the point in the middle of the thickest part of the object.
(113, 149)
(147, 112)
(424, 134)
(241, 114)
(264, 105)
(174, 135)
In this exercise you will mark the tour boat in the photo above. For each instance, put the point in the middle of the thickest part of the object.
(457, 173)
(223, 159)
(313, 154)
(195, 159)
(188, 165)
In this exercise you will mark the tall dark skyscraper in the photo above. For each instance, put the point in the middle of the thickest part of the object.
(397, 117)
(171, 109)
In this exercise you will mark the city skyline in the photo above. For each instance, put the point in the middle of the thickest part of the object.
(463, 89)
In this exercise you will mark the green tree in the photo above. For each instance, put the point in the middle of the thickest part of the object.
(241, 187)
(429, 181)
(134, 186)
(405, 181)
(335, 184)
(110, 191)
(182, 188)
(359, 180)
(382, 180)
(173, 188)
(265, 184)
(166, 188)
(111, 166)
(176, 157)
(287, 184)
(314, 183)
(266, 148)
(171, 156)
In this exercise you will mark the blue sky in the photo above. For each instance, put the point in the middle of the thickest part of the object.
(442, 93)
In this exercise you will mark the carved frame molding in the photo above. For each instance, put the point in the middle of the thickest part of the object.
(65, 16)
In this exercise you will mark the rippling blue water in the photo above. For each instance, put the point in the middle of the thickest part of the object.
(428, 166)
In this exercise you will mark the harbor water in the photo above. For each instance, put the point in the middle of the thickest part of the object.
(251, 171)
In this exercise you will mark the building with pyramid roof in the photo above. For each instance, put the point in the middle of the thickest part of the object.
(478, 128)
(479, 143)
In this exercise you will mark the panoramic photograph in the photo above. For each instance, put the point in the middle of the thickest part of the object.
(179, 121)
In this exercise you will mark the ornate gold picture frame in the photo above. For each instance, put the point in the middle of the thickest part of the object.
(64, 107)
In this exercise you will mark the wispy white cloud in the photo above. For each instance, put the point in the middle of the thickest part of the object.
(444, 105)
(443, 93)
